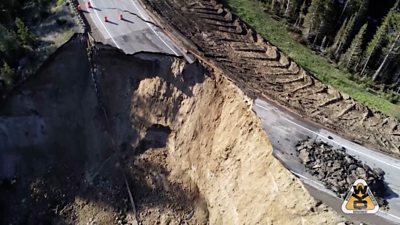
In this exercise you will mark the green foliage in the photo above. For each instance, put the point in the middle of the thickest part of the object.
(343, 35)
(16, 40)
(320, 18)
(8, 41)
(276, 32)
(352, 7)
(379, 37)
(24, 35)
(340, 33)
(294, 6)
(7, 74)
(391, 97)
(347, 31)
(60, 2)
(354, 53)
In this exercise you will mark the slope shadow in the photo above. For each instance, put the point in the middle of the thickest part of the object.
(85, 157)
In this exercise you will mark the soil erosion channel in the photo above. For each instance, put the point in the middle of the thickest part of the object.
(86, 140)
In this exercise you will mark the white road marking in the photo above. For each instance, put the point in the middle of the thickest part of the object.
(331, 140)
(308, 179)
(333, 195)
(109, 34)
(391, 215)
(321, 185)
(141, 14)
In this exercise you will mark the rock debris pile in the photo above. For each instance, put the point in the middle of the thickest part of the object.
(338, 170)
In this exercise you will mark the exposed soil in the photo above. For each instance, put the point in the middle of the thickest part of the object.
(261, 70)
(148, 139)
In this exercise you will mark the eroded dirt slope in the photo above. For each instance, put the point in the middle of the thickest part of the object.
(180, 138)
(208, 140)
(264, 71)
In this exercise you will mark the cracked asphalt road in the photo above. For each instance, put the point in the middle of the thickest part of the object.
(285, 130)
(135, 32)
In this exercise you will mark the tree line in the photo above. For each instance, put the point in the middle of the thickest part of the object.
(361, 36)
(17, 42)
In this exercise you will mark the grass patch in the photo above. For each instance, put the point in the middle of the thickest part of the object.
(252, 12)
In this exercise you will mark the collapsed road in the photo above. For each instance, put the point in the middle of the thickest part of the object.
(288, 82)
(138, 91)
(285, 129)
(262, 70)
(125, 25)
(180, 145)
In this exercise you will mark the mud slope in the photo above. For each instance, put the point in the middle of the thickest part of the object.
(264, 71)
(182, 137)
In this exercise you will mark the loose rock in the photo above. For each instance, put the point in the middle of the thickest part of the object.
(338, 170)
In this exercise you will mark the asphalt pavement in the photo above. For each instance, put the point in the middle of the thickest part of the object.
(285, 129)
(133, 32)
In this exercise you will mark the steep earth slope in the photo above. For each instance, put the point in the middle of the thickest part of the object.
(264, 71)
(178, 142)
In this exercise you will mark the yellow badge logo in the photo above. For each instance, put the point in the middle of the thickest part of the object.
(360, 199)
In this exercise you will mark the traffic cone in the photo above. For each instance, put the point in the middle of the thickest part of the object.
(105, 19)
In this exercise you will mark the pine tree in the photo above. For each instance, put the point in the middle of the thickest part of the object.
(292, 6)
(302, 14)
(359, 8)
(377, 41)
(320, 19)
(345, 35)
(328, 18)
(354, 52)
(273, 6)
(378, 71)
(9, 45)
(339, 35)
(23, 33)
(7, 74)
(312, 20)
(353, 6)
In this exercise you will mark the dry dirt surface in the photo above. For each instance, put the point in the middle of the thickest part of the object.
(144, 139)
(262, 70)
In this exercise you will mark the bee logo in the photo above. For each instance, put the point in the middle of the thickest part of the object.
(360, 200)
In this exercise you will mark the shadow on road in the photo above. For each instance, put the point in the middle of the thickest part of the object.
(98, 9)
(111, 22)
(126, 20)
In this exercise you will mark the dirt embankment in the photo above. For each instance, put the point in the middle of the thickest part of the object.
(264, 71)
(183, 137)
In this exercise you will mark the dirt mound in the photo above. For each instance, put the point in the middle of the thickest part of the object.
(209, 142)
(338, 170)
(264, 71)
(144, 139)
